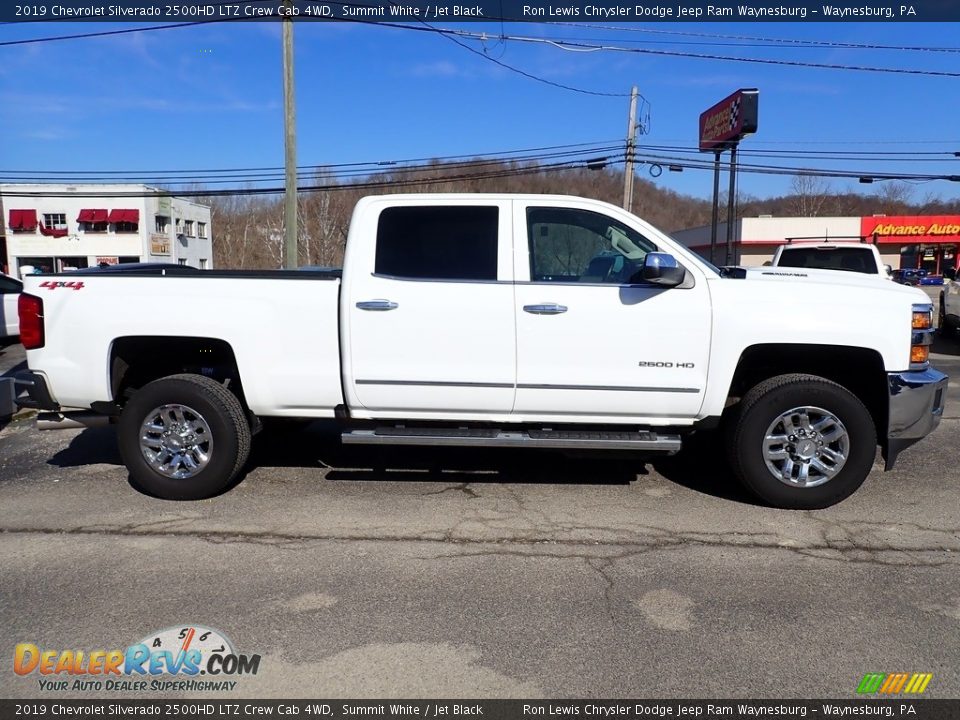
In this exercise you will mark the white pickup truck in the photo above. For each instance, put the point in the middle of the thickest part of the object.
(858, 257)
(491, 320)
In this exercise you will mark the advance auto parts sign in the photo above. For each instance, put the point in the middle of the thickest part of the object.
(727, 122)
(912, 228)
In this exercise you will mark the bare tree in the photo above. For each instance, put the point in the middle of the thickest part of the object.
(895, 196)
(809, 194)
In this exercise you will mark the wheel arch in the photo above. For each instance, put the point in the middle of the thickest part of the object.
(136, 360)
(860, 370)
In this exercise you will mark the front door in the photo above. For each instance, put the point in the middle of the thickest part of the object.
(594, 342)
(429, 311)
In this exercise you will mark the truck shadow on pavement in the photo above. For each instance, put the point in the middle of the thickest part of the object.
(699, 467)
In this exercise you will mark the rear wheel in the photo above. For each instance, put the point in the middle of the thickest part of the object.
(183, 437)
(802, 442)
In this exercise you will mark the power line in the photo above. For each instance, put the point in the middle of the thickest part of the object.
(774, 41)
(652, 160)
(595, 163)
(105, 33)
(308, 172)
(581, 46)
(517, 70)
(559, 43)
(463, 156)
(839, 155)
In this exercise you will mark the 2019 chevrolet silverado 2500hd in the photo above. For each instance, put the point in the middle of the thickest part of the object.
(492, 320)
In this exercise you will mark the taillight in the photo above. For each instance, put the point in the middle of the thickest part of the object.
(30, 308)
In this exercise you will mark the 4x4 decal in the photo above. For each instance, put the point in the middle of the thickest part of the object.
(54, 284)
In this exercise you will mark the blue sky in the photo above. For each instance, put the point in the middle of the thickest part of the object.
(211, 96)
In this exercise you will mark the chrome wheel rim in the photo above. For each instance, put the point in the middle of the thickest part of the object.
(176, 441)
(806, 447)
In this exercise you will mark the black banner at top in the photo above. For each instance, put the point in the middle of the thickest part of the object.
(406, 11)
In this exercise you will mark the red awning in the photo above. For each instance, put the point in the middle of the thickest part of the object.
(130, 216)
(52, 232)
(93, 216)
(23, 219)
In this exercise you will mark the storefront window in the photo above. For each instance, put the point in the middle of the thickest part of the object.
(949, 258)
(66, 264)
(909, 256)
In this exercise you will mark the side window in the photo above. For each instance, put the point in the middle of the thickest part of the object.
(438, 243)
(569, 245)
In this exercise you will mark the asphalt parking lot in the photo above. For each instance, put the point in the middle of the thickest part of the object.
(489, 574)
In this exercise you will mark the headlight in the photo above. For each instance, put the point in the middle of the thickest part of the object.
(921, 336)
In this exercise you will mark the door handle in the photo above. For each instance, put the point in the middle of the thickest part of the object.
(380, 305)
(545, 309)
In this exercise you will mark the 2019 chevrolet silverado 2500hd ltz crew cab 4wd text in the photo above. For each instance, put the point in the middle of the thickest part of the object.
(492, 320)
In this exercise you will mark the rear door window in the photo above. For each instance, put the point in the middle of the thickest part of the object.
(438, 243)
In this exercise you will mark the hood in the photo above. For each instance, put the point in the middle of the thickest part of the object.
(834, 278)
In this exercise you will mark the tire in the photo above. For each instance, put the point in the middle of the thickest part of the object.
(817, 443)
(944, 325)
(211, 423)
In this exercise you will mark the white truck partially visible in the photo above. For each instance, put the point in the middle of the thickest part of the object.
(859, 257)
(491, 320)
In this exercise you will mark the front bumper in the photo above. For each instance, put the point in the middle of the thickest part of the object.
(916, 406)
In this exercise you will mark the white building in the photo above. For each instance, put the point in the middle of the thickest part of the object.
(54, 227)
(904, 241)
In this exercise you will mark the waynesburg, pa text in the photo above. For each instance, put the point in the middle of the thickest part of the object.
(732, 12)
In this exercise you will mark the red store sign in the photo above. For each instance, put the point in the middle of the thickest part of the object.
(908, 229)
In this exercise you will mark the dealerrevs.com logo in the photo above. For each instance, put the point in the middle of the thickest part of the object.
(170, 660)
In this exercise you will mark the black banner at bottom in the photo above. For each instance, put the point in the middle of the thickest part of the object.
(918, 709)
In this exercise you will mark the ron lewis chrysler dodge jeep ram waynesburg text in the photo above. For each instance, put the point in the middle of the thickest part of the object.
(491, 320)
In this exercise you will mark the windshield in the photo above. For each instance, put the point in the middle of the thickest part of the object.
(847, 259)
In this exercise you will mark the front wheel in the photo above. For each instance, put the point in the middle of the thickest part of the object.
(802, 442)
(183, 437)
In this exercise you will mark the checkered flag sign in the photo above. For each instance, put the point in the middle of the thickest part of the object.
(735, 112)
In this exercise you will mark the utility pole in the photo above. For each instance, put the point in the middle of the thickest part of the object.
(631, 144)
(715, 218)
(290, 260)
(732, 204)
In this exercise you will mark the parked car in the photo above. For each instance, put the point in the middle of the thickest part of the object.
(10, 289)
(948, 319)
(909, 276)
(931, 280)
(530, 321)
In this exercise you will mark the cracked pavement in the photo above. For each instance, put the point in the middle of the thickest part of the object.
(464, 573)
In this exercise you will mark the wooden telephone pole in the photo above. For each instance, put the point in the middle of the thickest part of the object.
(290, 259)
(631, 149)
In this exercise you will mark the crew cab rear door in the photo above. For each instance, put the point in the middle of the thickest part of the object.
(595, 343)
(427, 309)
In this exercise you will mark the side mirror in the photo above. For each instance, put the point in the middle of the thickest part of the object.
(662, 269)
